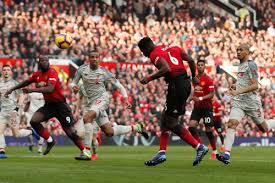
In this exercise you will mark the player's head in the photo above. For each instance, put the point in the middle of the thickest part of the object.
(201, 66)
(146, 46)
(243, 51)
(43, 63)
(93, 59)
(6, 71)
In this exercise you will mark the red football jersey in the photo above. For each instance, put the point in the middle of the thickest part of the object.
(217, 108)
(172, 55)
(203, 88)
(50, 76)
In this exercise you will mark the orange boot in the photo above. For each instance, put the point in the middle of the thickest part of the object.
(222, 149)
(213, 155)
(94, 157)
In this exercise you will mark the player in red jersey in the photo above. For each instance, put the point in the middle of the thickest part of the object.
(202, 97)
(169, 62)
(217, 120)
(48, 84)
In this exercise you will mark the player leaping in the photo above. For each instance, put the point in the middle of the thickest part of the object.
(169, 62)
(244, 102)
(94, 79)
(55, 104)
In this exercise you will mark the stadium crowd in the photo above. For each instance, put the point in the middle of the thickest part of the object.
(29, 26)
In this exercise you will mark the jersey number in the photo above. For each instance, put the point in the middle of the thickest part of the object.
(68, 119)
(207, 120)
(174, 60)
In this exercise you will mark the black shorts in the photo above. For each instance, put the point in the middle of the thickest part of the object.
(205, 114)
(60, 110)
(218, 126)
(179, 90)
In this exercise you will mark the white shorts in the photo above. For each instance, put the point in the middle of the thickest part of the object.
(99, 106)
(256, 115)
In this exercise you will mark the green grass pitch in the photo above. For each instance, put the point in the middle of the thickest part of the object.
(125, 165)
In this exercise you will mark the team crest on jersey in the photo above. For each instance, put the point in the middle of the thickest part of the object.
(241, 74)
(203, 83)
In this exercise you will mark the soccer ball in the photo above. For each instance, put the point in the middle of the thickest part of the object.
(63, 41)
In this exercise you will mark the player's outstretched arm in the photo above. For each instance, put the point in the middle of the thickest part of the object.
(44, 89)
(20, 85)
(163, 68)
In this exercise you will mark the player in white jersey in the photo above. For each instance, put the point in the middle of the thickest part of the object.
(244, 102)
(34, 102)
(83, 100)
(9, 107)
(94, 79)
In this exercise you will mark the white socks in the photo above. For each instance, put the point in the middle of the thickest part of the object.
(229, 139)
(50, 139)
(270, 124)
(88, 135)
(120, 129)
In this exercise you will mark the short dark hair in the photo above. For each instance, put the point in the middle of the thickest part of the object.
(144, 42)
(200, 60)
(7, 65)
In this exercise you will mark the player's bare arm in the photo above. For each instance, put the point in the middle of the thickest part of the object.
(191, 64)
(45, 89)
(20, 85)
(163, 68)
